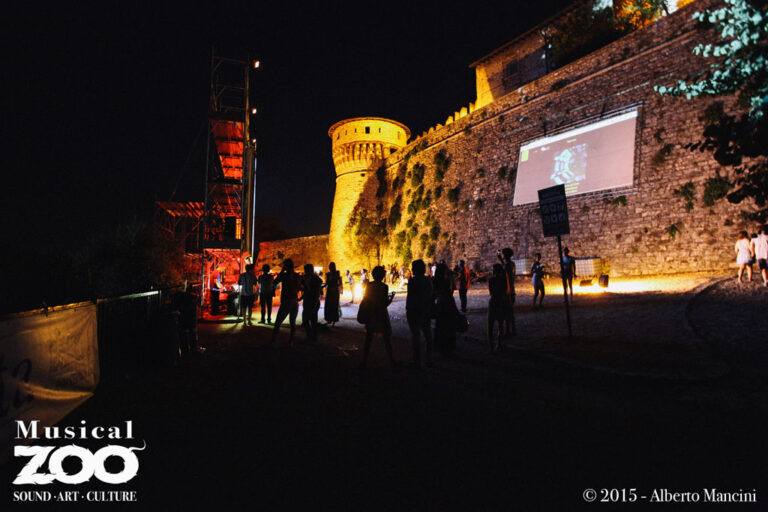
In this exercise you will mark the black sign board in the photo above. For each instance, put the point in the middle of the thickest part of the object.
(554, 211)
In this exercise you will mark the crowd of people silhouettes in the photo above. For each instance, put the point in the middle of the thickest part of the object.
(429, 297)
(431, 310)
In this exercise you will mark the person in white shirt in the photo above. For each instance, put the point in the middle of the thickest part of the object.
(744, 252)
(760, 245)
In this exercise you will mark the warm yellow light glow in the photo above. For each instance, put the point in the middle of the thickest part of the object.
(636, 285)
(256, 64)
(254, 110)
(347, 294)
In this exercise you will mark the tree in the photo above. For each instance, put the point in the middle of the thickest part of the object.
(596, 23)
(369, 233)
(739, 66)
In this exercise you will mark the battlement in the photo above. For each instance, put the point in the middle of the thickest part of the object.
(363, 143)
(463, 112)
(359, 146)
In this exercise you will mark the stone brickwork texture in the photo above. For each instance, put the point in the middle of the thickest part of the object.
(648, 230)
(634, 237)
(303, 250)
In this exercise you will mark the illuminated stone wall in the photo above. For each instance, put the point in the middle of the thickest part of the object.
(359, 146)
(303, 250)
(634, 234)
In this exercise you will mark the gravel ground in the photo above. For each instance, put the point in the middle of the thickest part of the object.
(733, 320)
(636, 326)
(244, 426)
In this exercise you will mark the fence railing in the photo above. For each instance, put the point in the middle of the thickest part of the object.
(124, 329)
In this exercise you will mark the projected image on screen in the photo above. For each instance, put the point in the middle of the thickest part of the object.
(593, 157)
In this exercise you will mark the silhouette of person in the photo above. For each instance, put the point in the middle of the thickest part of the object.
(537, 279)
(351, 283)
(760, 246)
(375, 301)
(497, 306)
(289, 300)
(464, 283)
(266, 292)
(216, 288)
(569, 270)
(418, 303)
(312, 285)
(186, 304)
(333, 289)
(446, 311)
(247, 281)
(510, 271)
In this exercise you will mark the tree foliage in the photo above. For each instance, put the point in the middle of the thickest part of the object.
(595, 24)
(370, 233)
(737, 65)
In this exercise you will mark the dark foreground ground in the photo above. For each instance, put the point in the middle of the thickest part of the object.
(246, 427)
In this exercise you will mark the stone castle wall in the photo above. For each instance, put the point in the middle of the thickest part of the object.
(634, 235)
(307, 249)
(359, 147)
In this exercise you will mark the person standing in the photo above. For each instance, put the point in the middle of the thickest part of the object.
(497, 306)
(375, 301)
(569, 270)
(446, 312)
(464, 284)
(744, 252)
(418, 303)
(760, 246)
(537, 280)
(351, 284)
(510, 272)
(312, 285)
(364, 279)
(186, 304)
(333, 289)
(247, 281)
(289, 300)
(266, 292)
(216, 288)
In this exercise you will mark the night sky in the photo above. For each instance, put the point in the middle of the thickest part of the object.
(104, 106)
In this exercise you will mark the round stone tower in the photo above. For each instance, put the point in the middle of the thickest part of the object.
(359, 147)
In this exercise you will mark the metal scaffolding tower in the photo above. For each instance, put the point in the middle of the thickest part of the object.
(229, 177)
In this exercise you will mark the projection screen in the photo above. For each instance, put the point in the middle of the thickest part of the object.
(593, 157)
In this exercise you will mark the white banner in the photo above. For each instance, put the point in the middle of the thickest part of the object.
(49, 364)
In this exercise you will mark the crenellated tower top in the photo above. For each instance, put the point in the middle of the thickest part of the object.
(360, 146)
(362, 143)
